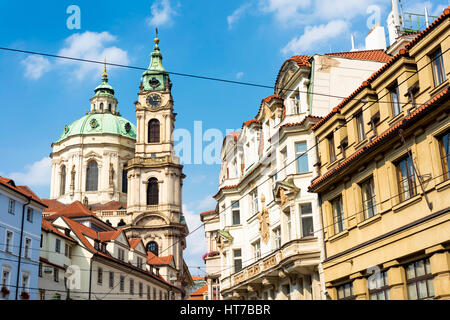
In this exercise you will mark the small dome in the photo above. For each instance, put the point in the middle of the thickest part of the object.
(100, 123)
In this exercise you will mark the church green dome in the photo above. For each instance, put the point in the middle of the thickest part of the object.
(100, 123)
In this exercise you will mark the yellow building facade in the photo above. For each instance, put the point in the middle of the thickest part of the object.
(384, 183)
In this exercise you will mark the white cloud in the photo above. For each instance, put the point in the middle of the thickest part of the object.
(239, 75)
(35, 174)
(315, 36)
(434, 9)
(237, 14)
(91, 46)
(208, 203)
(162, 13)
(35, 66)
(196, 243)
(286, 12)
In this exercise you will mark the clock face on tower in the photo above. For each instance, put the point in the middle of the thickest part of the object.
(154, 100)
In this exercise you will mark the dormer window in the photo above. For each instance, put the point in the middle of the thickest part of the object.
(96, 245)
(121, 254)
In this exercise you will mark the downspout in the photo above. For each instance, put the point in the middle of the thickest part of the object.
(311, 87)
(90, 276)
(20, 245)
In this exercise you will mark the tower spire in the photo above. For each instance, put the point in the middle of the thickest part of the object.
(105, 74)
(155, 77)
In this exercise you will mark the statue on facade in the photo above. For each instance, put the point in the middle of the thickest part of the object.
(111, 175)
(264, 222)
(72, 178)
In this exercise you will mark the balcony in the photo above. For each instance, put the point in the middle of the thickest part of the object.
(299, 256)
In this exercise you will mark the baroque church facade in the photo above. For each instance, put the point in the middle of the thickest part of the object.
(128, 175)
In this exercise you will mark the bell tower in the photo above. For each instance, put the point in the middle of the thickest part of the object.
(155, 177)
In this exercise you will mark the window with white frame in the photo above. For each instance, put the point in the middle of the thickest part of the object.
(301, 157)
(307, 220)
(27, 253)
(111, 279)
(437, 64)
(9, 241)
(256, 250)
(139, 262)
(235, 212)
(100, 276)
(11, 206)
(122, 283)
(254, 201)
(121, 254)
(141, 289)
(25, 281)
(5, 277)
(30, 214)
(287, 215)
(237, 257)
(57, 245)
(131, 286)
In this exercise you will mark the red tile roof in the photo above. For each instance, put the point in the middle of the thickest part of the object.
(376, 74)
(53, 205)
(198, 278)
(23, 190)
(109, 235)
(372, 55)
(112, 205)
(134, 242)
(207, 212)
(199, 293)
(49, 227)
(392, 132)
(249, 122)
(155, 260)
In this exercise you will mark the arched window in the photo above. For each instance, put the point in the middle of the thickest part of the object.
(92, 176)
(101, 106)
(121, 223)
(153, 131)
(124, 181)
(152, 246)
(62, 189)
(152, 191)
(109, 107)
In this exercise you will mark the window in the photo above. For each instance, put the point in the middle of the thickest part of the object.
(141, 289)
(101, 106)
(62, 186)
(5, 277)
(331, 148)
(419, 280)
(67, 250)
(256, 250)
(99, 275)
(9, 241)
(111, 279)
(56, 274)
(40, 270)
(92, 176)
(42, 240)
(360, 126)
(11, 206)
(109, 107)
(338, 215)
(378, 286)
(29, 214)
(254, 201)
(395, 102)
(121, 254)
(160, 295)
(345, 292)
(27, 248)
(302, 157)
(296, 102)
(236, 213)
(152, 246)
(124, 181)
(406, 179)
(286, 288)
(437, 64)
(237, 257)
(148, 293)
(287, 215)
(444, 146)
(122, 283)
(131, 286)
(277, 237)
(154, 293)
(139, 262)
(368, 198)
(152, 191)
(307, 220)
(57, 245)
(153, 131)
(25, 280)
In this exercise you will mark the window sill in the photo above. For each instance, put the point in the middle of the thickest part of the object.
(407, 203)
(369, 221)
(443, 185)
(338, 236)
(361, 143)
(437, 89)
(395, 119)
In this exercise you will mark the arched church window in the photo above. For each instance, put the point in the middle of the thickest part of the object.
(153, 131)
(124, 181)
(62, 189)
(121, 223)
(152, 246)
(101, 106)
(152, 191)
(92, 176)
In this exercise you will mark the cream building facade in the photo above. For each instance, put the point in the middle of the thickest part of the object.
(269, 235)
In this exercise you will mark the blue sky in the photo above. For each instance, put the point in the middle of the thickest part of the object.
(236, 40)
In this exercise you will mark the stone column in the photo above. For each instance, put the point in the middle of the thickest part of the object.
(396, 280)
(332, 291)
(360, 290)
(440, 267)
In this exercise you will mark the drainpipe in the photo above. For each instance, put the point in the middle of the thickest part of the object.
(20, 245)
(90, 277)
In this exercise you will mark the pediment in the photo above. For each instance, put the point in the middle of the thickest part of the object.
(285, 191)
